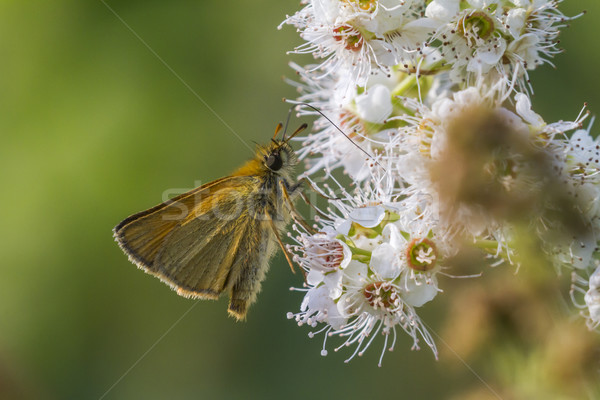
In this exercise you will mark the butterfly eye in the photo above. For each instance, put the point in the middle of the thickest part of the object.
(274, 162)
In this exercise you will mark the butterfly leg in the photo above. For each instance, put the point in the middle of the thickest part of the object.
(286, 195)
(293, 188)
(285, 251)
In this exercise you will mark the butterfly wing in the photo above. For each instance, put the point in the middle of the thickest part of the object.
(203, 242)
(141, 235)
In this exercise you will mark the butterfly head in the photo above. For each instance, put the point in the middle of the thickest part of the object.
(279, 157)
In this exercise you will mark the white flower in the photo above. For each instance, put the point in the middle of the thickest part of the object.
(495, 38)
(324, 259)
(472, 40)
(424, 106)
(373, 301)
(580, 167)
(523, 108)
(419, 261)
(577, 163)
(318, 307)
(375, 105)
(359, 117)
(368, 216)
(358, 36)
(375, 271)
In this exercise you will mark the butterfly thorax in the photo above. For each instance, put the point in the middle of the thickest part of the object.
(272, 167)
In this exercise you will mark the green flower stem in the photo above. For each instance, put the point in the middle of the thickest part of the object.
(405, 85)
(486, 244)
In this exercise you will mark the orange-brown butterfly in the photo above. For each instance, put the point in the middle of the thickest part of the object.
(220, 236)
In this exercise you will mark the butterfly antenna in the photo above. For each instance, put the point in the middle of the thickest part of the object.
(297, 131)
(287, 121)
(277, 130)
(336, 127)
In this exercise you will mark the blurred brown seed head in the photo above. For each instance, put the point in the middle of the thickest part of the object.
(492, 166)
(488, 164)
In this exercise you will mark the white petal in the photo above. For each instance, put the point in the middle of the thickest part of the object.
(481, 3)
(392, 235)
(345, 306)
(314, 277)
(318, 298)
(326, 11)
(384, 262)
(487, 57)
(355, 274)
(369, 217)
(523, 108)
(375, 105)
(421, 26)
(334, 318)
(347, 255)
(592, 300)
(419, 294)
(595, 279)
(516, 21)
(384, 52)
(513, 121)
(342, 226)
(492, 54)
(369, 244)
(355, 165)
(526, 47)
(333, 281)
(444, 108)
(442, 9)
(581, 252)
(467, 97)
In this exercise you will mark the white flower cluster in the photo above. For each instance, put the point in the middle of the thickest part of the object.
(500, 38)
(367, 272)
(425, 106)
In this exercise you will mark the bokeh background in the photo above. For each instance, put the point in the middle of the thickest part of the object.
(100, 113)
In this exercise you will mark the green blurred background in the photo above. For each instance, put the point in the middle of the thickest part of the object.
(95, 127)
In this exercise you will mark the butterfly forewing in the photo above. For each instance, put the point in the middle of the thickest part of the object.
(141, 235)
(209, 240)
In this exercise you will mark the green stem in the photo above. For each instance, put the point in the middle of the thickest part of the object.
(356, 250)
(486, 244)
(405, 85)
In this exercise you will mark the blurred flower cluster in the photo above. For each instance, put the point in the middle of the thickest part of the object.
(425, 107)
